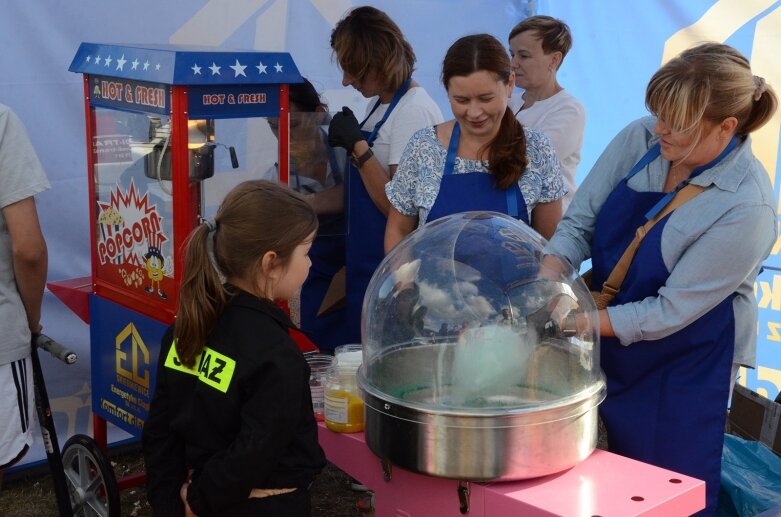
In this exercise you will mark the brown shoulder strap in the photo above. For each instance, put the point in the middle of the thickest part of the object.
(616, 278)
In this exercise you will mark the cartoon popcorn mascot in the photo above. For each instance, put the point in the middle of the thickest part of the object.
(154, 266)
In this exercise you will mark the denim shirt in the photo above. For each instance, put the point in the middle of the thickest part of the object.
(713, 245)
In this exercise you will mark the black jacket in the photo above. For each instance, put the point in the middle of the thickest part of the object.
(244, 421)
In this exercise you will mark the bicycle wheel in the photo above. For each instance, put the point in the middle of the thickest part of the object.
(91, 481)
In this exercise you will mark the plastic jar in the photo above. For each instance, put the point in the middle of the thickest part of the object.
(344, 410)
(318, 367)
(349, 355)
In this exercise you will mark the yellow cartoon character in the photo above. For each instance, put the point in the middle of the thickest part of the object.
(154, 270)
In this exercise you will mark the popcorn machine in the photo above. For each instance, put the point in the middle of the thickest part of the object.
(169, 131)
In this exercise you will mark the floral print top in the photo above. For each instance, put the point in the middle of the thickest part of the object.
(415, 186)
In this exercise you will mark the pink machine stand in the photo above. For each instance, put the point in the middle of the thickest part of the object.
(603, 485)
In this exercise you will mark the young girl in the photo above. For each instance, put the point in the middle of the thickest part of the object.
(231, 429)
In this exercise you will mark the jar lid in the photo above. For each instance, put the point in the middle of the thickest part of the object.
(350, 358)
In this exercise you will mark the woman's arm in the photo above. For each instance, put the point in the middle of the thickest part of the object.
(404, 190)
(605, 327)
(545, 218)
(545, 174)
(374, 177)
(328, 201)
(705, 268)
(345, 132)
(574, 233)
(398, 227)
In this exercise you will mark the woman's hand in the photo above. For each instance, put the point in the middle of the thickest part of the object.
(344, 130)
(183, 494)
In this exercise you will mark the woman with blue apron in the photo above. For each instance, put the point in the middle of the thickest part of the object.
(685, 314)
(522, 177)
(365, 223)
(377, 61)
(324, 328)
(655, 387)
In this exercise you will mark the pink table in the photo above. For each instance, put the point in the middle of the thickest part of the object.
(604, 485)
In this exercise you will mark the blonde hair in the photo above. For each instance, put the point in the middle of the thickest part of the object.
(710, 82)
(367, 40)
(254, 218)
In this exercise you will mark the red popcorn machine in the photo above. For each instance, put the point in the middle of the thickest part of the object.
(169, 131)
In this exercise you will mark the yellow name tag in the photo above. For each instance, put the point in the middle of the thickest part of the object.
(211, 367)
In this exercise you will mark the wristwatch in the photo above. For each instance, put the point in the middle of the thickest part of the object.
(358, 162)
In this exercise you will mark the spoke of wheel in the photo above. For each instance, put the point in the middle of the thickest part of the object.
(94, 484)
(84, 467)
(72, 476)
(97, 506)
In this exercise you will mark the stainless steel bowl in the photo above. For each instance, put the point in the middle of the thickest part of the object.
(545, 423)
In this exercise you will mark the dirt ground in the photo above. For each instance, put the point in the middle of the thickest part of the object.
(32, 495)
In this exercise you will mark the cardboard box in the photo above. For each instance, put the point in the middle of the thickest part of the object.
(755, 417)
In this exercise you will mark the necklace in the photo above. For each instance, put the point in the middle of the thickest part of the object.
(674, 173)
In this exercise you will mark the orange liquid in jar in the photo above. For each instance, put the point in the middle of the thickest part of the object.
(343, 411)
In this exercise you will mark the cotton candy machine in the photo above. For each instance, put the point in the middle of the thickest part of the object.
(481, 356)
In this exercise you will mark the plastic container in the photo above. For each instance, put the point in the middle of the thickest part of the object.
(318, 366)
(344, 409)
(349, 355)
(472, 367)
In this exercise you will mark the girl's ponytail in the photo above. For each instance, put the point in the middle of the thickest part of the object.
(201, 297)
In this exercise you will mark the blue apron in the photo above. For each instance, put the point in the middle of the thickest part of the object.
(473, 190)
(365, 231)
(666, 399)
(327, 254)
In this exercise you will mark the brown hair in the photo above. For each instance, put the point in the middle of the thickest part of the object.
(483, 52)
(554, 34)
(305, 96)
(254, 218)
(367, 40)
(712, 82)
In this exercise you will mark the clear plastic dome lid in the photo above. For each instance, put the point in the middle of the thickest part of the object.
(466, 314)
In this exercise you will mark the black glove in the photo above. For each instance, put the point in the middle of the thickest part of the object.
(344, 130)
